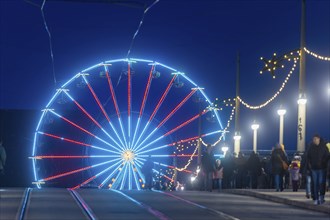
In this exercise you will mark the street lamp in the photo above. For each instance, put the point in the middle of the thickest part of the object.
(255, 127)
(281, 112)
(224, 149)
(237, 140)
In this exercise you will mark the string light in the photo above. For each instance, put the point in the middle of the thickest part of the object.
(275, 95)
(224, 130)
(316, 55)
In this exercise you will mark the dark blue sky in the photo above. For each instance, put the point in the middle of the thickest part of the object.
(200, 38)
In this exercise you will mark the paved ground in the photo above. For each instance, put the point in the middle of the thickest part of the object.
(107, 204)
(286, 197)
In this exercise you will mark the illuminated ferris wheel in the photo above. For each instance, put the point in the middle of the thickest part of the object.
(100, 126)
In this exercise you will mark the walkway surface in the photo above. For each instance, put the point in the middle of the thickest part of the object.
(286, 197)
(53, 203)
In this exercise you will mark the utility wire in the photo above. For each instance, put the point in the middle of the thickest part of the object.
(140, 24)
(50, 40)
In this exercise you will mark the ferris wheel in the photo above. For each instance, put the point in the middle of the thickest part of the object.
(103, 124)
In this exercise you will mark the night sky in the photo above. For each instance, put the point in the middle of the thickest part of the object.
(200, 38)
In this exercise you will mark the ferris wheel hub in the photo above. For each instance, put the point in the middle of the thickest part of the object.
(128, 156)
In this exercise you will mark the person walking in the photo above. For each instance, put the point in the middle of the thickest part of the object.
(294, 174)
(279, 166)
(254, 168)
(208, 165)
(317, 159)
(228, 171)
(147, 171)
(218, 174)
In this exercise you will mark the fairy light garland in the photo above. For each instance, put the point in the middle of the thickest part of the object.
(316, 55)
(275, 95)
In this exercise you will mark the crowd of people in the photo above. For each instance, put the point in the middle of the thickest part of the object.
(310, 170)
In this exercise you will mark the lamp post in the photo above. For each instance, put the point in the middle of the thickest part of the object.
(281, 112)
(237, 137)
(301, 131)
(255, 127)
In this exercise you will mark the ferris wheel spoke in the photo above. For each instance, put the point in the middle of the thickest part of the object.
(142, 154)
(129, 102)
(145, 96)
(91, 118)
(168, 116)
(138, 169)
(173, 130)
(39, 157)
(161, 100)
(95, 176)
(129, 176)
(134, 170)
(110, 175)
(123, 181)
(84, 130)
(118, 178)
(102, 109)
(77, 142)
(76, 171)
(153, 149)
(185, 123)
(114, 99)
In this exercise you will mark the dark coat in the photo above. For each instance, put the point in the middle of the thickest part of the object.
(208, 162)
(254, 164)
(304, 169)
(317, 156)
(147, 167)
(277, 157)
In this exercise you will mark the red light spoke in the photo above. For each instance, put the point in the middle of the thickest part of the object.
(176, 108)
(98, 102)
(84, 183)
(185, 123)
(162, 98)
(60, 157)
(129, 89)
(146, 92)
(89, 116)
(66, 139)
(113, 95)
(77, 126)
(66, 173)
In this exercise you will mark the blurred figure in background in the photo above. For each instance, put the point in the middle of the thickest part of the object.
(147, 171)
(294, 173)
(3, 158)
(208, 166)
(254, 168)
(218, 174)
(279, 166)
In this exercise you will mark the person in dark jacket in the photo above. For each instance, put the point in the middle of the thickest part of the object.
(147, 171)
(241, 171)
(254, 168)
(278, 157)
(228, 171)
(317, 159)
(208, 166)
